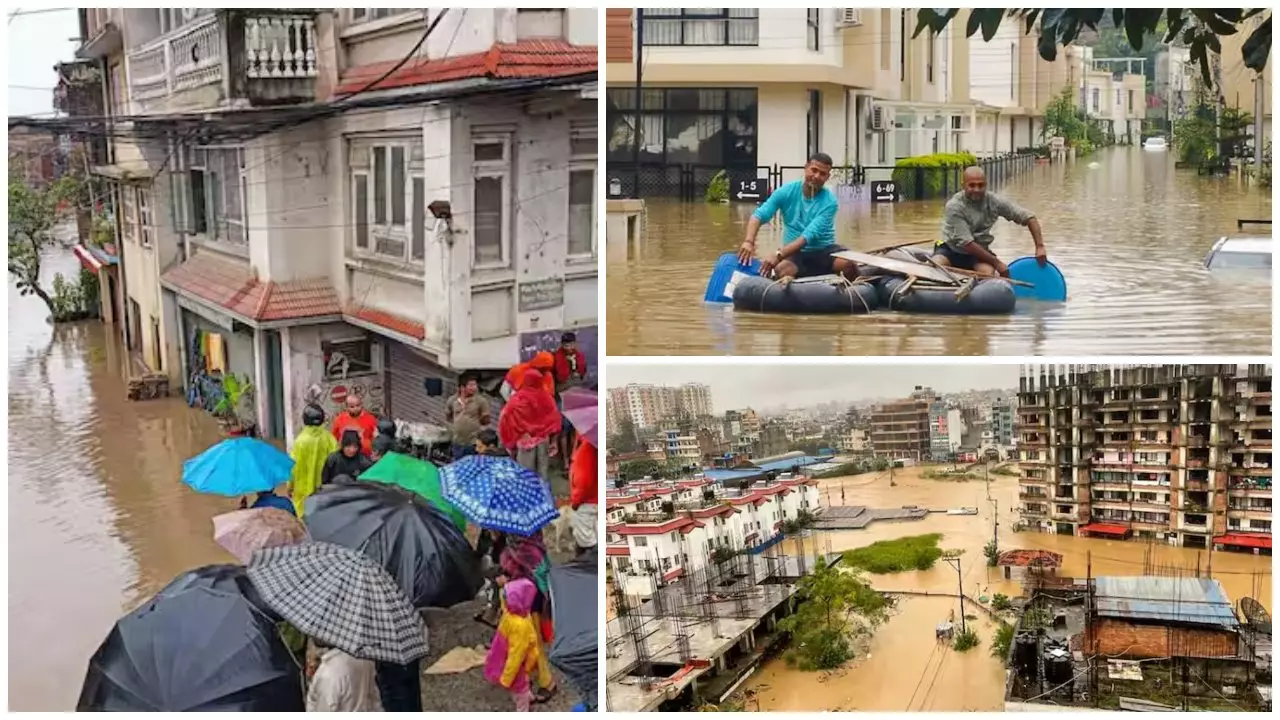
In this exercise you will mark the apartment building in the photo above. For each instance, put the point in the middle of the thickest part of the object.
(1012, 86)
(695, 400)
(1113, 91)
(740, 88)
(946, 431)
(1180, 454)
(1239, 86)
(900, 429)
(1002, 423)
(1174, 75)
(300, 208)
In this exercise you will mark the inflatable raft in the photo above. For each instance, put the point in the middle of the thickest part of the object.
(987, 297)
(818, 296)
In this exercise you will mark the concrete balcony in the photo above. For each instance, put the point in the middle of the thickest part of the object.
(260, 56)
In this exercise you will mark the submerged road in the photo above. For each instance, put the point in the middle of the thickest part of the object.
(1130, 235)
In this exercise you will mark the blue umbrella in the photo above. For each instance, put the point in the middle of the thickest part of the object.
(498, 493)
(238, 466)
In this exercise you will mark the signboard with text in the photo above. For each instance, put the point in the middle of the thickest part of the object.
(749, 189)
(884, 191)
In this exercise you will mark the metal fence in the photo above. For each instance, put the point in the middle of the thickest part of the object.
(689, 182)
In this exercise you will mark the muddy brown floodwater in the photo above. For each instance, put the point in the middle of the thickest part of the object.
(98, 516)
(904, 669)
(1130, 235)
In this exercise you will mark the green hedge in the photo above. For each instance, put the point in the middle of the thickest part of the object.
(939, 172)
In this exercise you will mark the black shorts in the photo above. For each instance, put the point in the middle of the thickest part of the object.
(816, 262)
(962, 260)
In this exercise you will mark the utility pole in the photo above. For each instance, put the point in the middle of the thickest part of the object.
(955, 563)
(635, 151)
(1259, 109)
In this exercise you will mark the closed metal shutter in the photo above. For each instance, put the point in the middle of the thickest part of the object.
(407, 375)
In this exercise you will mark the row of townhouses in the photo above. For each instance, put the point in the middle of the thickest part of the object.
(658, 532)
(742, 88)
(367, 200)
(1177, 454)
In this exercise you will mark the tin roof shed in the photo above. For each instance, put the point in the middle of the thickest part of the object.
(1194, 601)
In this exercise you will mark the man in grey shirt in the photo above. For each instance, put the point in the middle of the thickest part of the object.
(966, 227)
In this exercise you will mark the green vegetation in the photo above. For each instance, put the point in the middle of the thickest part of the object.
(1200, 30)
(846, 469)
(992, 552)
(33, 214)
(1003, 639)
(834, 607)
(930, 176)
(918, 552)
(965, 640)
(1006, 469)
(718, 188)
(803, 519)
(1001, 603)
(235, 409)
(951, 475)
(721, 554)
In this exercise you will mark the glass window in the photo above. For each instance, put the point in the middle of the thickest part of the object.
(582, 186)
(362, 211)
(488, 222)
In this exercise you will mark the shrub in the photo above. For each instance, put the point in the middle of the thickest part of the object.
(919, 552)
(930, 176)
(1001, 602)
(1003, 639)
(965, 641)
(718, 188)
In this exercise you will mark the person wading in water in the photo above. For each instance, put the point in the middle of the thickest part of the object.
(967, 220)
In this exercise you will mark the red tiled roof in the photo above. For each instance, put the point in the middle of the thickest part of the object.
(382, 318)
(656, 492)
(617, 501)
(503, 61)
(714, 511)
(672, 574)
(691, 527)
(615, 550)
(752, 499)
(1029, 558)
(679, 523)
(233, 286)
(1105, 529)
(774, 490)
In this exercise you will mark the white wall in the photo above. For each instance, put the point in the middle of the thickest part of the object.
(993, 68)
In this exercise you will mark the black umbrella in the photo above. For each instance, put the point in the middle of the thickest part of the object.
(414, 542)
(193, 649)
(232, 579)
(575, 589)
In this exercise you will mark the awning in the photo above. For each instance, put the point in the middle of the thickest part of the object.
(672, 574)
(1106, 529)
(1244, 540)
(87, 259)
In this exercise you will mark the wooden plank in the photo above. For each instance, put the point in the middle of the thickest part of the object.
(905, 267)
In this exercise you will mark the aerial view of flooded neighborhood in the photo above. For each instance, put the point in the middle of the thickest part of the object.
(957, 537)
(802, 171)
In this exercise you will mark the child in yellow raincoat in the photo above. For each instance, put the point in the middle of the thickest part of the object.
(310, 449)
(516, 652)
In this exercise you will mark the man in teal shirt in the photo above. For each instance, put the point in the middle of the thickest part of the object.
(808, 228)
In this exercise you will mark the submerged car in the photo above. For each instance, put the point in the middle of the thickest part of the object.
(1240, 253)
(1155, 143)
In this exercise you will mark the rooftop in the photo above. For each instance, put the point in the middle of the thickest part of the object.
(1197, 601)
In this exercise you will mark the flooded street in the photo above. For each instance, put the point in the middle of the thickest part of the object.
(1130, 235)
(98, 517)
(893, 678)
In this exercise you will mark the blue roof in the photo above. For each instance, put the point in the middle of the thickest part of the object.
(721, 475)
(1197, 601)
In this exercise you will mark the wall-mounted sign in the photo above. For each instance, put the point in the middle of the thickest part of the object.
(749, 189)
(541, 294)
(883, 191)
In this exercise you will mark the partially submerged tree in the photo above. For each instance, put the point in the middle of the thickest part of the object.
(33, 213)
(1201, 30)
(834, 605)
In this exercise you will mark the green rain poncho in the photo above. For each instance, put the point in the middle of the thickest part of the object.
(310, 449)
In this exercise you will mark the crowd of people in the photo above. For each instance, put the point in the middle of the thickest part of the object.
(532, 430)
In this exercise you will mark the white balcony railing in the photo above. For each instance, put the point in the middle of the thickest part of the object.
(276, 46)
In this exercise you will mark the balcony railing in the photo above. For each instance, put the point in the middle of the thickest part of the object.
(264, 46)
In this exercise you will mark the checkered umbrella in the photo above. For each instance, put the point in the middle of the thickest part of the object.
(498, 493)
(342, 598)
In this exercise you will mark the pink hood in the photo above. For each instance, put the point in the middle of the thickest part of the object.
(520, 596)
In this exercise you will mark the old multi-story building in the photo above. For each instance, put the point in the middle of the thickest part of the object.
(695, 400)
(900, 429)
(946, 430)
(351, 200)
(1180, 454)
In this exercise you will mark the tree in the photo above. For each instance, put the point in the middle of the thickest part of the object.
(33, 213)
(637, 469)
(833, 607)
(624, 438)
(1201, 30)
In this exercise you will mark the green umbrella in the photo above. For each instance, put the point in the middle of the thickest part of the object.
(415, 476)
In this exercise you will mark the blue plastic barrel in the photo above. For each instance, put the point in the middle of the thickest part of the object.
(720, 287)
(1050, 284)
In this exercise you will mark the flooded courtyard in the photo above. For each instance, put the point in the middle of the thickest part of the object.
(98, 519)
(1129, 234)
(888, 674)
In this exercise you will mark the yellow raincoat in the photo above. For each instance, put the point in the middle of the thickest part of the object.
(310, 449)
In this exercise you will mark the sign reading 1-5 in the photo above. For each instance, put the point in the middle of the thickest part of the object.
(749, 189)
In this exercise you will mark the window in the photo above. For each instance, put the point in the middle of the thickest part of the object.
(540, 23)
(217, 183)
(491, 167)
(146, 229)
(814, 22)
(359, 15)
(886, 38)
(347, 358)
(388, 199)
(1131, 101)
(582, 191)
(814, 123)
(128, 212)
(701, 26)
(902, 45)
(931, 46)
(1097, 98)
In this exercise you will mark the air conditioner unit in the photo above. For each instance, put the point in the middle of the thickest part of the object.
(850, 17)
(879, 119)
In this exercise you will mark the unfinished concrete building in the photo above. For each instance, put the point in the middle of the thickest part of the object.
(1179, 453)
(900, 429)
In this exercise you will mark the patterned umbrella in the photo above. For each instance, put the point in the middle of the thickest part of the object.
(341, 597)
(243, 532)
(415, 476)
(582, 407)
(498, 493)
(237, 466)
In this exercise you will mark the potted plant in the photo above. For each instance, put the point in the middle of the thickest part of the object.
(231, 411)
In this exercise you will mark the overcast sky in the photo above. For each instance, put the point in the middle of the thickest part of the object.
(37, 42)
(760, 386)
